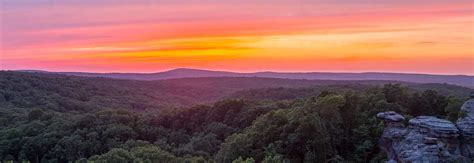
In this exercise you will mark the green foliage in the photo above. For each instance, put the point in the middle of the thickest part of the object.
(274, 159)
(153, 154)
(240, 160)
(394, 93)
(117, 155)
(294, 133)
(35, 114)
(59, 119)
(428, 103)
(453, 109)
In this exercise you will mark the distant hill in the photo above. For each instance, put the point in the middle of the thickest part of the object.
(460, 80)
(62, 92)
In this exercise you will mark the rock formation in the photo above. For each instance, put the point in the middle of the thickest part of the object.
(466, 126)
(429, 139)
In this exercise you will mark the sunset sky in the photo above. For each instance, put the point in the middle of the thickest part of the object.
(412, 36)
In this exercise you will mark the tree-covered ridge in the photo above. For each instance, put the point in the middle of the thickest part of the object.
(64, 93)
(325, 123)
(69, 93)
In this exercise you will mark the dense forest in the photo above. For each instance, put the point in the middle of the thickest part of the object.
(58, 118)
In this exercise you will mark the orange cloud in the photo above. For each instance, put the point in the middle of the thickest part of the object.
(431, 38)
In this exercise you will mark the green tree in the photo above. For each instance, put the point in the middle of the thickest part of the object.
(151, 153)
(35, 114)
(116, 155)
(274, 159)
(394, 93)
(453, 108)
(295, 133)
(240, 160)
(429, 103)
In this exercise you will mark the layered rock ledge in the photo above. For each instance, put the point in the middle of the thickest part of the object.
(466, 126)
(429, 139)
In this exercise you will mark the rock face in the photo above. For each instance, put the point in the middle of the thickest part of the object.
(393, 133)
(466, 126)
(429, 139)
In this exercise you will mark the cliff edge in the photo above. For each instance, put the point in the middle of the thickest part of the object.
(429, 139)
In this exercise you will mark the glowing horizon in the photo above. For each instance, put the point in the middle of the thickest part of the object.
(431, 37)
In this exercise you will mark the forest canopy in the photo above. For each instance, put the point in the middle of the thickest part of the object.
(56, 118)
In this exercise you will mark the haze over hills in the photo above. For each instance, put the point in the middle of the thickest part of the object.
(460, 80)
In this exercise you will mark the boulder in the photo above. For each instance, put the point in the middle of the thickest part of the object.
(391, 116)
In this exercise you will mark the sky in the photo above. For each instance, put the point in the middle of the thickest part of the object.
(409, 36)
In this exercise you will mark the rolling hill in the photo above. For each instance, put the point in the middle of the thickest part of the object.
(460, 80)
(63, 92)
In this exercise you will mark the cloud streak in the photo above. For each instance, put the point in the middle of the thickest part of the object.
(239, 35)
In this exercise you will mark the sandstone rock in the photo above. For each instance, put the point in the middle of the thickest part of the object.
(434, 127)
(391, 116)
(430, 140)
(466, 126)
(425, 139)
(393, 131)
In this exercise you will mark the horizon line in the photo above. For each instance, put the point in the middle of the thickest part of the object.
(241, 72)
